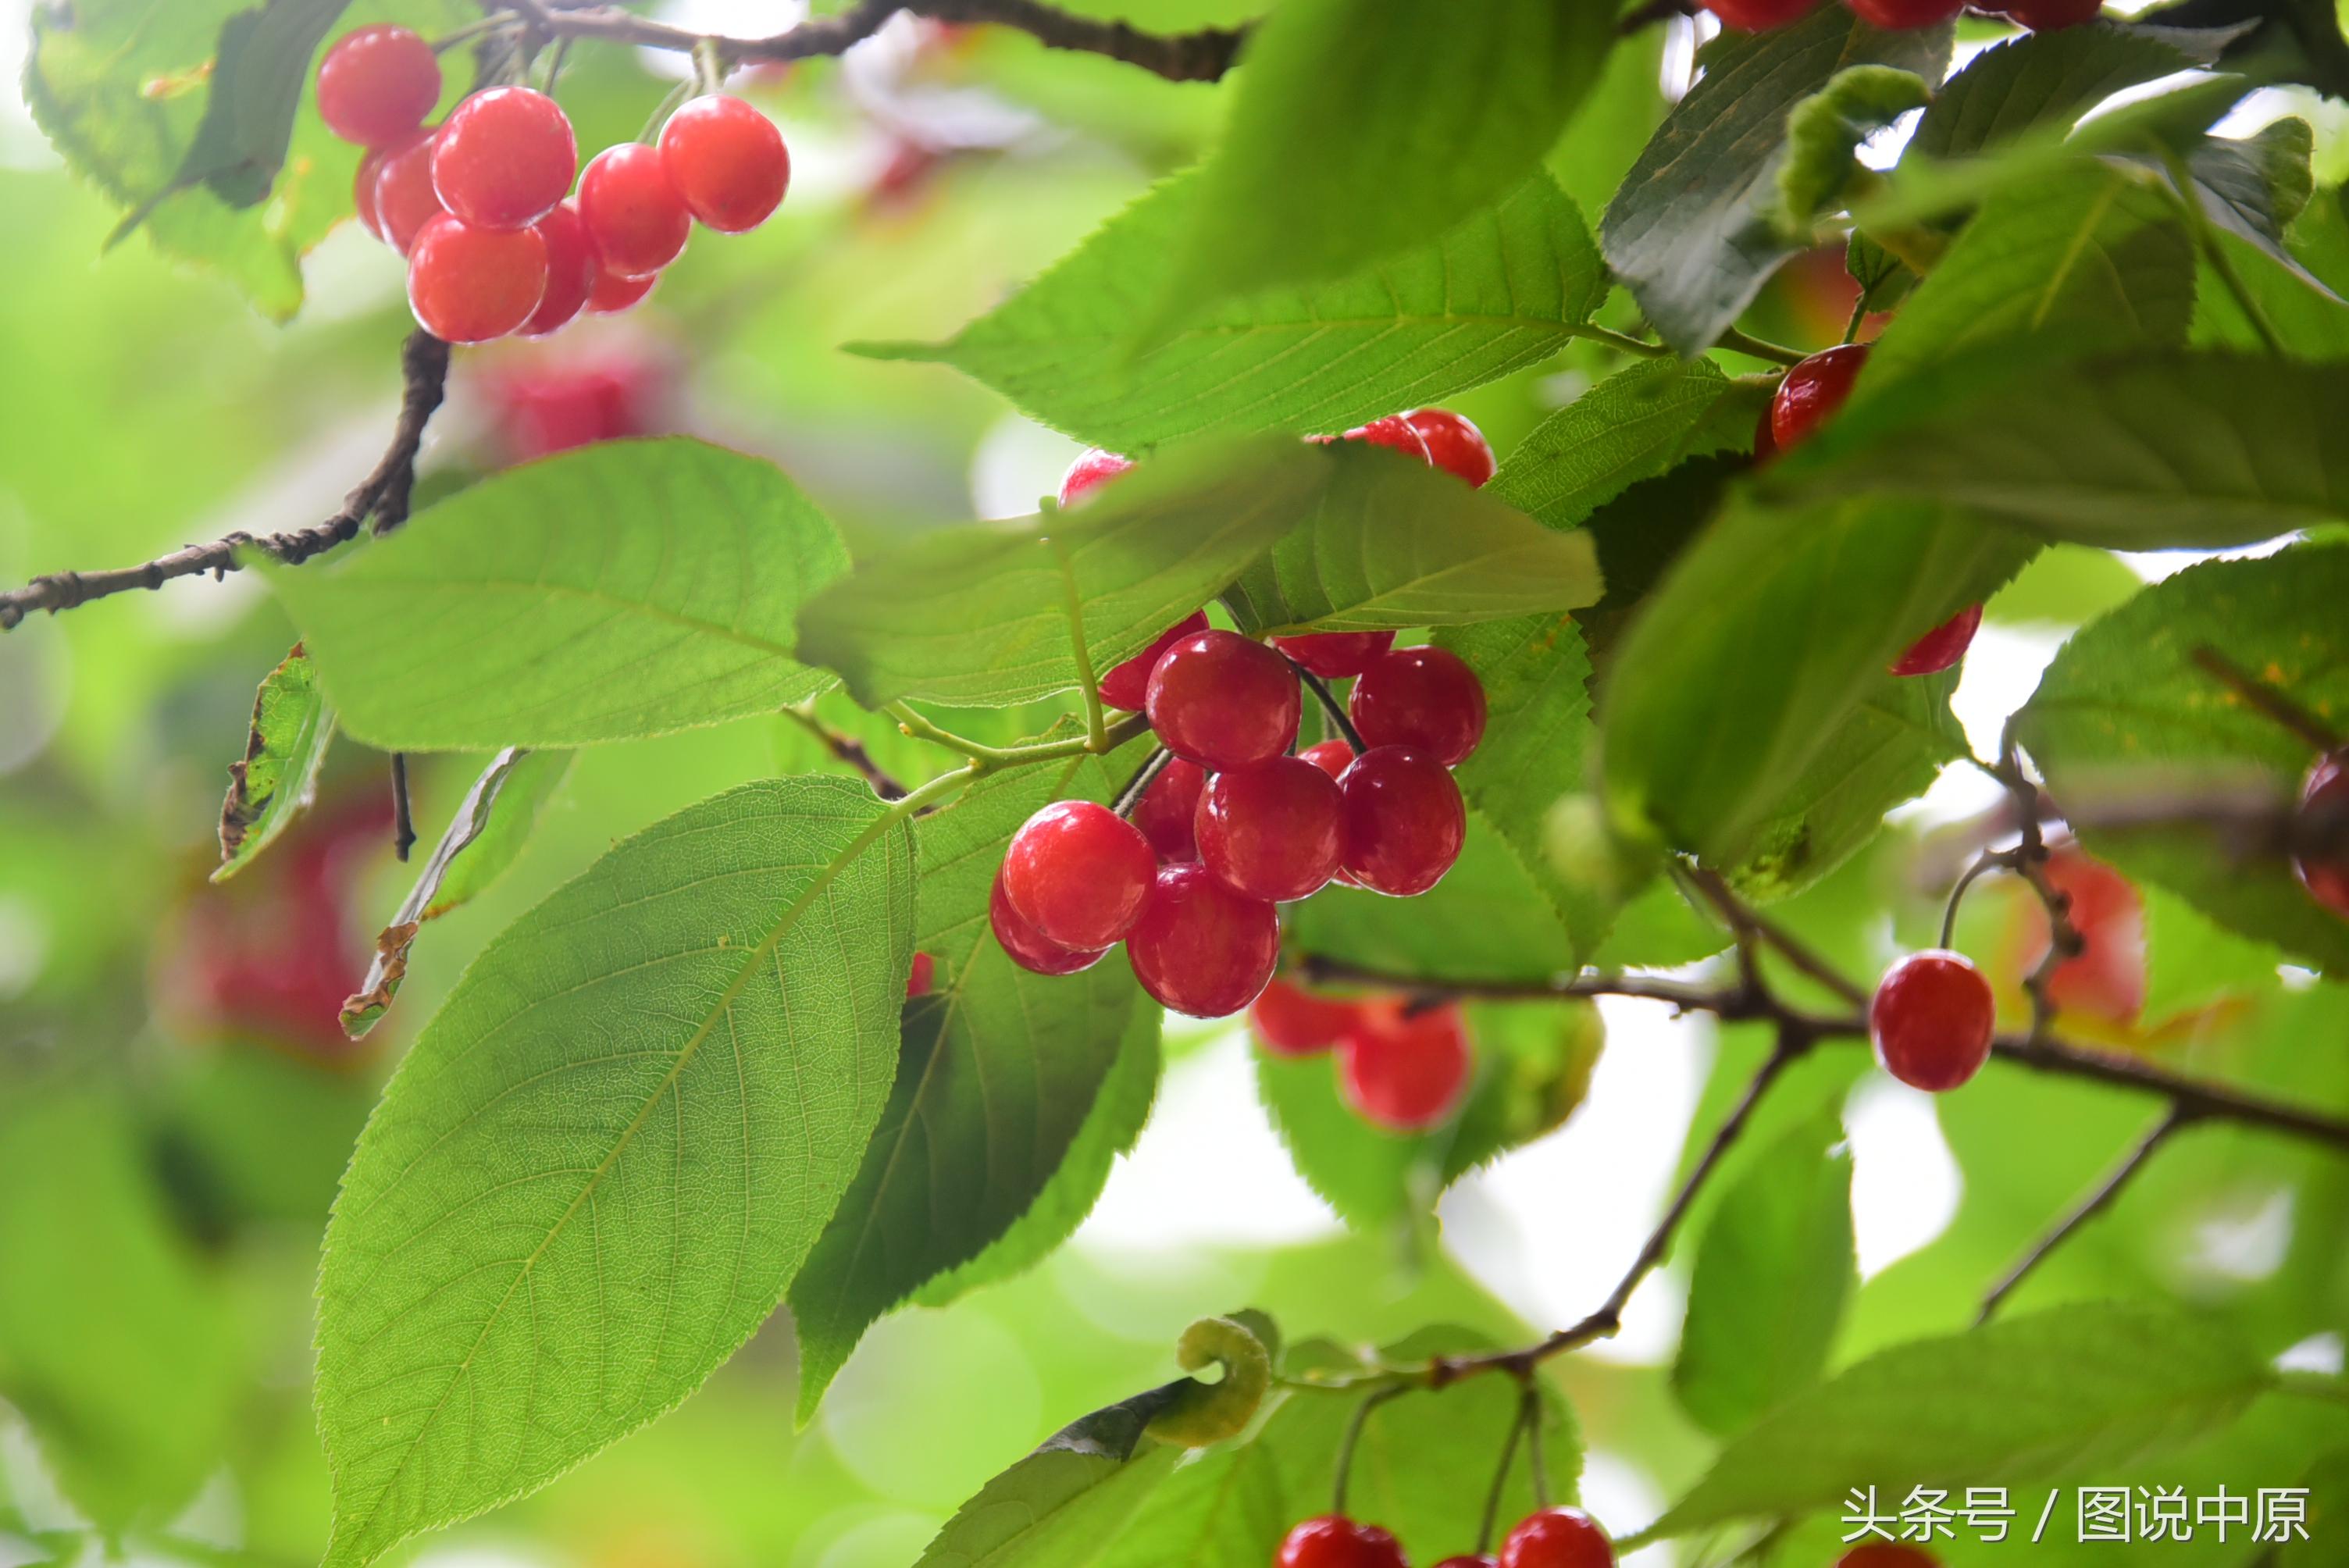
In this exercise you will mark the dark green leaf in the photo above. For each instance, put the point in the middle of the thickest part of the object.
(293, 724)
(258, 78)
(1636, 423)
(1490, 892)
(1079, 1487)
(2038, 81)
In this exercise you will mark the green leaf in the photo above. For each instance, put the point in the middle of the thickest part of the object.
(258, 78)
(1689, 233)
(1503, 289)
(980, 613)
(1078, 1488)
(2039, 81)
(2126, 712)
(1772, 1275)
(625, 589)
(2081, 1390)
(1641, 532)
(1489, 892)
(998, 1074)
(1391, 543)
(491, 824)
(1637, 424)
(602, 1163)
(2254, 186)
(1823, 133)
(1324, 168)
(292, 723)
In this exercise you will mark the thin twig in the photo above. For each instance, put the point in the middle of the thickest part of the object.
(848, 749)
(2029, 860)
(1352, 1439)
(2107, 1190)
(403, 814)
(1528, 1409)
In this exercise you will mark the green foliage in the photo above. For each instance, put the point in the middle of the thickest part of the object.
(600, 1165)
(1491, 891)
(619, 591)
(272, 783)
(2037, 81)
(1635, 425)
(1825, 132)
(1083, 1482)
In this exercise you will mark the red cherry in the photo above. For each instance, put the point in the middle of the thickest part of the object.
(1454, 444)
(1223, 701)
(1396, 432)
(1942, 647)
(1078, 872)
(505, 158)
(470, 284)
(1766, 444)
(2049, 15)
(1931, 1019)
(1887, 1554)
(1127, 684)
(2327, 793)
(1092, 470)
(1332, 756)
(919, 978)
(2106, 979)
(404, 198)
(1333, 1540)
(1168, 804)
(1405, 1071)
(1294, 1022)
(1759, 16)
(1899, 16)
(571, 269)
(1273, 831)
(1426, 698)
(363, 190)
(728, 161)
(1813, 390)
(1335, 655)
(1558, 1537)
(614, 293)
(540, 409)
(377, 85)
(1199, 947)
(1405, 820)
(1026, 947)
(638, 219)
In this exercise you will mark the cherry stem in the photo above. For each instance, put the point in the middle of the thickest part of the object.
(1538, 1462)
(1352, 1439)
(2095, 1202)
(1096, 727)
(2028, 860)
(1485, 1526)
(1130, 795)
(1329, 704)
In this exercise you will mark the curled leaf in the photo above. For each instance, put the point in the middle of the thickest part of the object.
(1825, 130)
(1205, 1413)
(272, 783)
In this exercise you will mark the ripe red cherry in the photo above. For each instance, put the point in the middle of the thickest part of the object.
(1223, 701)
(404, 198)
(1334, 1540)
(363, 190)
(377, 84)
(1901, 14)
(919, 978)
(1092, 470)
(1405, 820)
(1405, 1071)
(1454, 444)
(1273, 831)
(1199, 947)
(1931, 1019)
(1558, 1537)
(728, 161)
(1759, 16)
(2327, 792)
(1813, 390)
(470, 284)
(505, 158)
(615, 292)
(1887, 1554)
(1078, 872)
(571, 269)
(1332, 756)
(1394, 431)
(1167, 806)
(1127, 684)
(1426, 698)
(1942, 647)
(1294, 1022)
(2048, 15)
(1026, 947)
(1336, 656)
(638, 219)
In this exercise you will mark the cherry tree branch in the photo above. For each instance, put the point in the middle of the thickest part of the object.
(847, 749)
(2096, 1201)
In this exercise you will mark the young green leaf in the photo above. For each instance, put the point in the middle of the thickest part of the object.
(1640, 422)
(1503, 289)
(626, 589)
(293, 724)
(1823, 133)
(602, 1163)
(1078, 1488)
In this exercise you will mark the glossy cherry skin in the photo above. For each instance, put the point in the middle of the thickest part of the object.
(1942, 647)
(615, 292)
(728, 161)
(404, 198)
(1093, 468)
(1026, 947)
(1333, 1541)
(505, 158)
(1899, 16)
(919, 978)
(1223, 701)
(1168, 804)
(2327, 791)
(1396, 432)
(1294, 1022)
(1405, 820)
(1199, 947)
(377, 85)
(363, 190)
(1811, 391)
(1426, 698)
(1887, 1554)
(1759, 16)
(1335, 655)
(1931, 1019)
(1127, 684)
(470, 284)
(1454, 444)
(571, 269)
(1273, 831)
(1079, 873)
(1332, 756)
(636, 215)
(1558, 1537)
(2050, 15)
(1404, 1072)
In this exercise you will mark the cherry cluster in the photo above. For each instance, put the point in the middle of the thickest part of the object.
(479, 204)
(2039, 15)
(1399, 1066)
(1235, 823)
(1546, 1538)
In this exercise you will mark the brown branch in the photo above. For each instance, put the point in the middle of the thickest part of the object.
(2094, 1203)
(403, 814)
(848, 749)
(383, 496)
